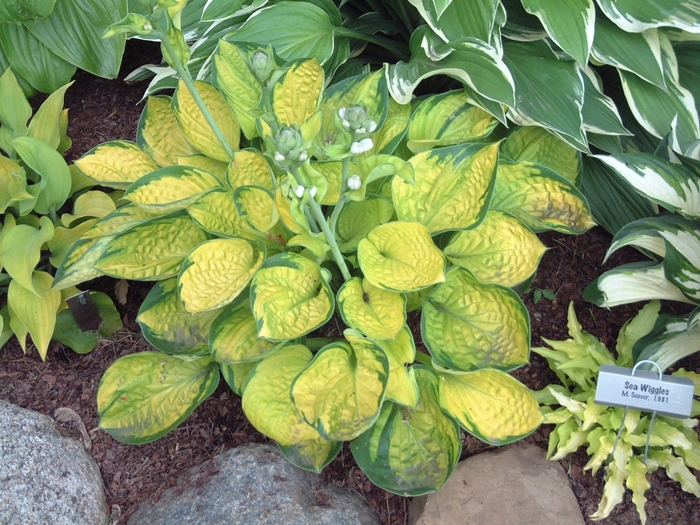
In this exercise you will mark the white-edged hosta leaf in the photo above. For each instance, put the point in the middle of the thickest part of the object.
(35, 309)
(169, 327)
(452, 189)
(144, 396)
(455, 19)
(376, 312)
(401, 256)
(233, 337)
(410, 452)
(401, 351)
(633, 16)
(669, 340)
(600, 114)
(490, 405)
(570, 23)
(290, 297)
(447, 119)
(21, 250)
(341, 391)
(170, 189)
(312, 455)
(468, 325)
(152, 250)
(158, 133)
(116, 164)
(501, 250)
(540, 198)
(682, 260)
(216, 272)
(358, 218)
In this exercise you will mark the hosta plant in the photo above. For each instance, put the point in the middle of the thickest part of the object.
(269, 205)
(578, 421)
(35, 185)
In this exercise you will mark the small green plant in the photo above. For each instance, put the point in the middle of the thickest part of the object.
(578, 421)
(35, 183)
(539, 293)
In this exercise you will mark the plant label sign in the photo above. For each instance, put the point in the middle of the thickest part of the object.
(668, 395)
(84, 311)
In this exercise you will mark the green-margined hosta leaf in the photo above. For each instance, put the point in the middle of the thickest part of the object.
(312, 455)
(64, 238)
(170, 328)
(358, 218)
(401, 256)
(116, 164)
(290, 297)
(196, 128)
(249, 168)
(296, 97)
(490, 404)
(216, 213)
(216, 272)
(233, 337)
(501, 250)
(236, 375)
(216, 167)
(401, 351)
(159, 135)
(468, 325)
(257, 206)
(446, 120)
(144, 396)
(341, 391)
(378, 313)
(540, 198)
(410, 452)
(152, 250)
(452, 189)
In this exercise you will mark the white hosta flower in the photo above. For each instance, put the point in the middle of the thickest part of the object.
(312, 191)
(303, 156)
(371, 126)
(299, 191)
(360, 147)
(342, 112)
(354, 182)
(279, 157)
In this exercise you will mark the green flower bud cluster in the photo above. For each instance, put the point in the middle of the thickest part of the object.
(288, 147)
(261, 64)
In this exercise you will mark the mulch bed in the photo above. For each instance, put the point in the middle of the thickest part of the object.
(102, 110)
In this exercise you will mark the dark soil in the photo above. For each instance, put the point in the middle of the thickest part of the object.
(102, 110)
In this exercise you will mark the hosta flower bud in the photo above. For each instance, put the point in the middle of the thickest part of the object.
(303, 156)
(147, 26)
(261, 65)
(279, 157)
(371, 126)
(360, 147)
(299, 191)
(354, 182)
(312, 191)
(288, 139)
(356, 116)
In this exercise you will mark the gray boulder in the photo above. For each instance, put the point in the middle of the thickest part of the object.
(253, 485)
(45, 477)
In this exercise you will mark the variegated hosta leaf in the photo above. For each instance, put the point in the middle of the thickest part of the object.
(671, 185)
(152, 250)
(216, 272)
(312, 455)
(296, 97)
(36, 309)
(682, 261)
(600, 114)
(216, 167)
(21, 250)
(64, 238)
(447, 119)
(410, 452)
(170, 189)
(401, 256)
(236, 375)
(540, 198)
(341, 391)
(169, 327)
(159, 135)
(537, 145)
(501, 250)
(216, 213)
(332, 172)
(290, 297)
(635, 17)
(196, 128)
(116, 164)
(468, 325)
(401, 351)
(645, 234)
(490, 404)
(378, 313)
(249, 168)
(266, 400)
(388, 137)
(358, 218)
(233, 337)
(452, 189)
(669, 340)
(379, 167)
(144, 396)
(257, 206)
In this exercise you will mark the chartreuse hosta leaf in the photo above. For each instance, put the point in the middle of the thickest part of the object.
(144, 396)
(195, 127)
(401, 351)
(501, 250)
(36, 309)
(249, 168)
(358, 218)
(152, 250)
(116, 164)
(341, 391)
(410, 452)
(295, 99)
(378, 313)
(447, 119)
(169, 327)
(257, 206)
(401, 256)
(452, 189)
(21, 250)
(537, 145)
(233, 337)
(540, 198)
(216, 272)
(490, 404)
(159, 135)
(170, 189)
(290, 297)
(266, 399)
(468, 325)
